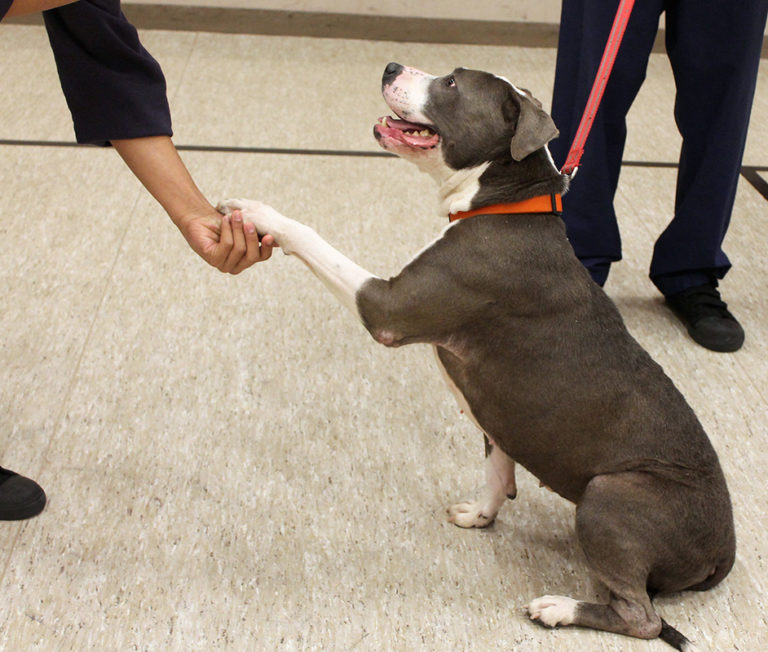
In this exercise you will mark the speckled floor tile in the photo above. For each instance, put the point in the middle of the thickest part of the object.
(232, 463)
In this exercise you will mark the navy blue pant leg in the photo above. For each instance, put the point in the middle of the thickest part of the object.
(714, 48)
(588, 206)
(714, 51)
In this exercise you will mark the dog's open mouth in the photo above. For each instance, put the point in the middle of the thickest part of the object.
(409, 133)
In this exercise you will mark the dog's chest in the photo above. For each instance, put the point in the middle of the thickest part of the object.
(460, 399)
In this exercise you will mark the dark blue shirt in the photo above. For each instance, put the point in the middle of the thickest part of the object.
(114, 88)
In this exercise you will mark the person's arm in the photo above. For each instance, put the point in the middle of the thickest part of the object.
(116, 93)
(227, 244)
(24, 7)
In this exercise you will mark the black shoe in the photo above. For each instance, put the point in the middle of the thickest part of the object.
(707, 319)
(20, 497)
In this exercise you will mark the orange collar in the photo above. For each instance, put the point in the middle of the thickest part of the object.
(541, 204)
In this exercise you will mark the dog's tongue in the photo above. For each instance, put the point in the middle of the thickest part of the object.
(410, 133)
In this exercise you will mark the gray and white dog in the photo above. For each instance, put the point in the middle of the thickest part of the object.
(535, 352)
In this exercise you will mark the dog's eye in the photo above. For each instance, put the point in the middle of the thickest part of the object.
(450, 82)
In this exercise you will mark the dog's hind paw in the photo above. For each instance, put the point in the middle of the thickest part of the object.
(469, 515)
(552, 610)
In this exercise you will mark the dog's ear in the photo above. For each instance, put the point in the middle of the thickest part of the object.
(534, 126)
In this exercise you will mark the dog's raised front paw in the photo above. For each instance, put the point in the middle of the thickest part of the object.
(265, 218)
(469, 514)
(227, 206)
(552, 610)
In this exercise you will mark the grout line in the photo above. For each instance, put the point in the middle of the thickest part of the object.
(751, 173)
(190, 54)
(58, 422)
(758, 182)
(284, 150)
(647, 164)
(225, 149)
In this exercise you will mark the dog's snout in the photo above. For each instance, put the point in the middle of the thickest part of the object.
(390, 73)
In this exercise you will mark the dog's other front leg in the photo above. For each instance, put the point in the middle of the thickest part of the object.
(499, 485)
(342, 276)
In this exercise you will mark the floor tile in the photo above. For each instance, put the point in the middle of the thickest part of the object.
(231, 462)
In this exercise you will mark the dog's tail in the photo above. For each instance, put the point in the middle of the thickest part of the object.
(674, 638)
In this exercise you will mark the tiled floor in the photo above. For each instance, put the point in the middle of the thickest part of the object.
(231, 462)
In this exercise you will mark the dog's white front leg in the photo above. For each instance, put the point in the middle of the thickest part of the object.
(341, 275)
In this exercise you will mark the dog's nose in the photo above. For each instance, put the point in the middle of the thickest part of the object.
(390, 73)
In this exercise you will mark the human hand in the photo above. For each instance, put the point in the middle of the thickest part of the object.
(226, 242)
(266, 220)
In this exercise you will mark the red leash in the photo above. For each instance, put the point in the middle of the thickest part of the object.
(598, 87)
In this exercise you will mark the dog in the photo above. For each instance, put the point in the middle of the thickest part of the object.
(536, 353)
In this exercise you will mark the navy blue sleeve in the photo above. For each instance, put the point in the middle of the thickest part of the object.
(4, 6)
(113, 86)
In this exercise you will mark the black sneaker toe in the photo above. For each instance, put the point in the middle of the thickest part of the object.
(20, 497)
(718, 334)
(707, 319)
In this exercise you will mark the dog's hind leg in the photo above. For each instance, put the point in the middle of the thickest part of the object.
(620, 525)
(499, 485)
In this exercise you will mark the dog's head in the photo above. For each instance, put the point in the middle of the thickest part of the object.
(459, 121)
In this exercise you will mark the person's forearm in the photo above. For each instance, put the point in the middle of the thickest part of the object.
(156, 163)
(229, 244)
(24, 7)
